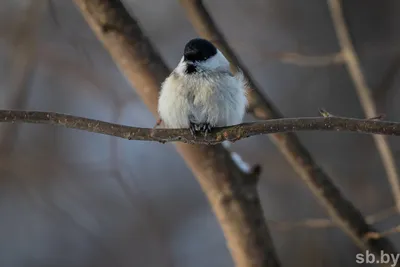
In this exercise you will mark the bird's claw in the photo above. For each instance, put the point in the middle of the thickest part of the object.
(204, 128)
(193, 130)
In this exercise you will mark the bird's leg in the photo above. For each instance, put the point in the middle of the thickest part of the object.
(158, 123)
(205, 128)
(193, 128)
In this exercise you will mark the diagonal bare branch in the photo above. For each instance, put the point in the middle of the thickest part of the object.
(377, 235)
(232, 194)
(364, 94)
(309, 61)
(338, 207)
(322, 223)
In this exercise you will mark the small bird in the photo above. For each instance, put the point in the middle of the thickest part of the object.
(201, 92)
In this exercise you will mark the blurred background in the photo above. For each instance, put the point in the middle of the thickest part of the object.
(71, 198)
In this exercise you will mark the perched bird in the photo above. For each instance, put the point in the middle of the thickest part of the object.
(201, 93)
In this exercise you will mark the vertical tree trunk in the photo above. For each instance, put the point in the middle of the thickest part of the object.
(231, 192)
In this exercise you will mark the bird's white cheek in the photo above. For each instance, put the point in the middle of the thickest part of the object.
(180, 69)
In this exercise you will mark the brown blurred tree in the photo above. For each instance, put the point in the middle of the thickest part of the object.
(231, 191)
(233, 194)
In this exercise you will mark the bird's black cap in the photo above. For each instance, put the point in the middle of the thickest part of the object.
(199, 50)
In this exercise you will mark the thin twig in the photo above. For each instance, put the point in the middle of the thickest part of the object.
(377, 235)
(217, 135)
(309, 61)
(388, 81)
(364, 94)
(231, 193)
(322, 223)
(338, 207)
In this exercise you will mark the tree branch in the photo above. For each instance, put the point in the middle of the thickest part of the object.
(232, 193)
(322, 223)
(217, 135)
(364, 94)
(338, 207)
(309, 61)
(377, 235)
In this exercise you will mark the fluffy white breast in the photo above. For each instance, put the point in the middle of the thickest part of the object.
(210, 95)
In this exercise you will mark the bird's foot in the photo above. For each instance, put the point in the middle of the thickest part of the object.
(196, 128)
(205, 128)
(193, 129)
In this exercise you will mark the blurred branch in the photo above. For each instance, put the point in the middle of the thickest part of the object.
(364, 94)
(218, 135)
(377, 235)
(22, 67)
(388, 81)
(232, 193)
(309, 61)
(53, 12)
(338, 207)
(327, 223)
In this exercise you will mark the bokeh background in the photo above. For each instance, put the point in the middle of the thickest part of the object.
(71, 198)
